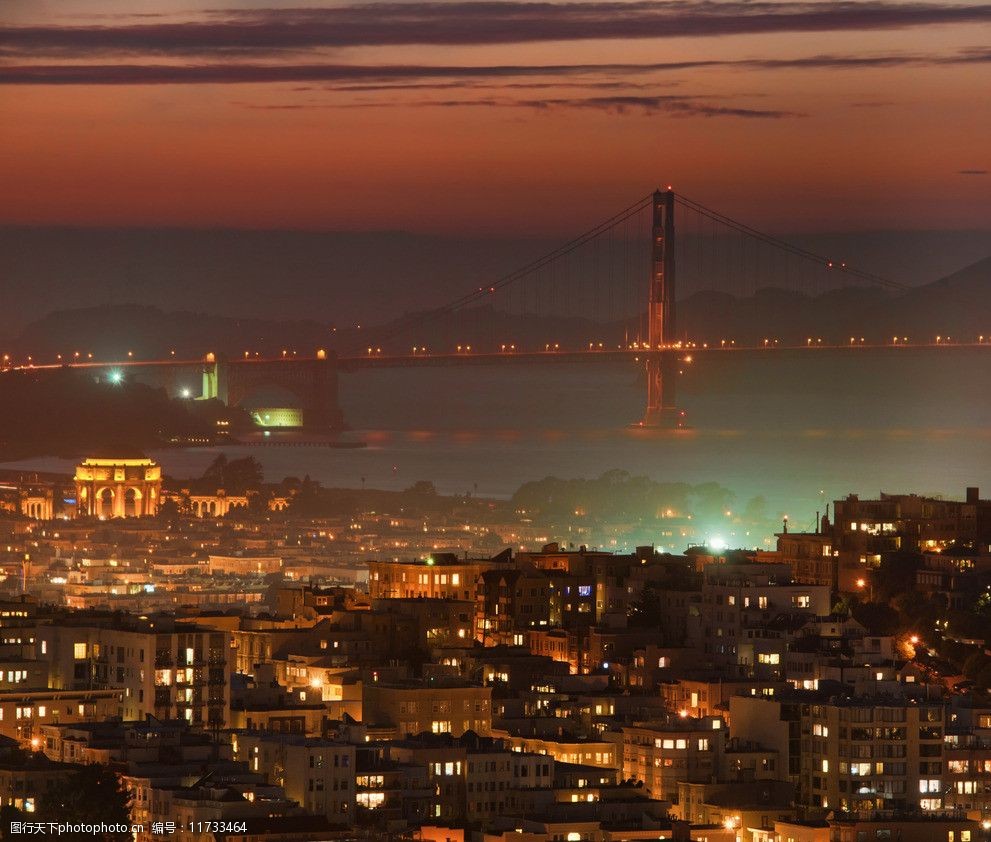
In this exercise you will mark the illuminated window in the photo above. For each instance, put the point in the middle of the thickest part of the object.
(79, 651)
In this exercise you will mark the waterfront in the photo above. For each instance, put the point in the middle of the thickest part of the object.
(796, 429)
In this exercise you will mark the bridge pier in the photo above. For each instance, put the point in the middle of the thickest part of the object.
(313, 383)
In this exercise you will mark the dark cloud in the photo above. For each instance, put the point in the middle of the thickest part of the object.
(677, 106)
(235, 72)
(972, 172)
(477, 23)
(482, 86)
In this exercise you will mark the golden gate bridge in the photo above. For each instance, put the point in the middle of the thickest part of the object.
(614, 292)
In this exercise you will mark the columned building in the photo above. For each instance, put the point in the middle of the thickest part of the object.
(119, 487)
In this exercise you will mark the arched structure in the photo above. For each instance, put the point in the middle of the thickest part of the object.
(38, 504)
(109, 488)
(216, 505)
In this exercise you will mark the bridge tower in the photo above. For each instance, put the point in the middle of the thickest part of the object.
(661, 331)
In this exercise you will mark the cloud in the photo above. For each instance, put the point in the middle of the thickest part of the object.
(678, 106)
(674, 105)
(972, 172)
(460, 23)
(238, 72)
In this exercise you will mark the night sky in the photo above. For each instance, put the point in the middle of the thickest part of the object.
(493, 118)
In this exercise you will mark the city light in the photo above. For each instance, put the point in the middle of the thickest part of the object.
(116, 376)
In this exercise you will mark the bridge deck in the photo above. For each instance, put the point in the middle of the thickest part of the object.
(562, 355)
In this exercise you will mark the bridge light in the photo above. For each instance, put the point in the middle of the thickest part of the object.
(89, 356)
(58, 356)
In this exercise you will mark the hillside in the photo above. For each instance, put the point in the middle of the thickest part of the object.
(958, 305)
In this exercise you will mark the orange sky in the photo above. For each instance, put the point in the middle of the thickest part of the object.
(899, 143)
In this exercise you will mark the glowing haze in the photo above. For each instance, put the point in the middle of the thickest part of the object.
(493, 117)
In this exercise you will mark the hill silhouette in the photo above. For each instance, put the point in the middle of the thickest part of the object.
(958, 305)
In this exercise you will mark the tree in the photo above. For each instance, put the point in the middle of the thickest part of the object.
(645, 613)
(236, 476)
(422, 488)
(8, 814)
(92, 795)
(168, 511)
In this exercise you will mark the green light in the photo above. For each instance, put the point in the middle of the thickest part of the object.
(116, 376)
(430, 560)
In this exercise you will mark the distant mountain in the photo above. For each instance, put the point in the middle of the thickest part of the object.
(958, 305)
(341, 277)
